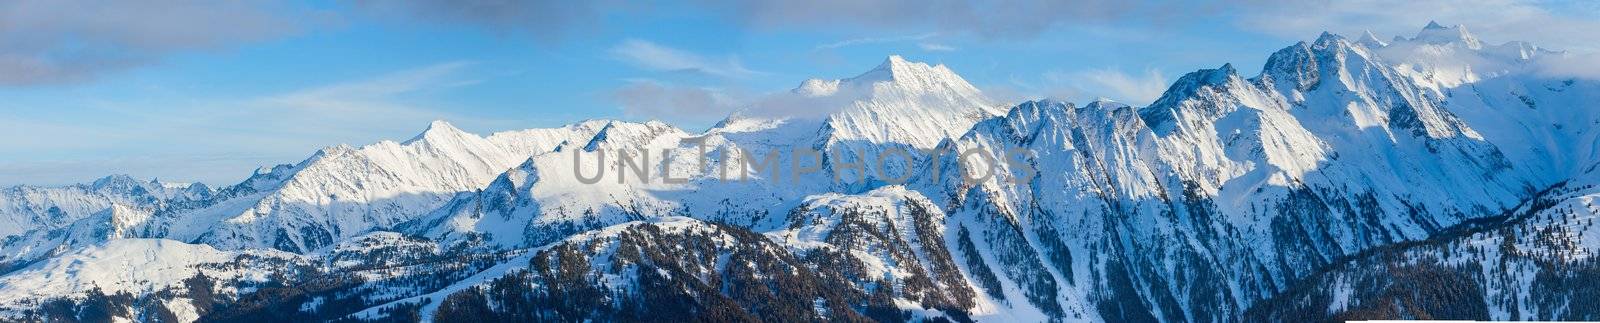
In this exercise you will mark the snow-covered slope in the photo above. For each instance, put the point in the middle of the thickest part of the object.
(24, 208)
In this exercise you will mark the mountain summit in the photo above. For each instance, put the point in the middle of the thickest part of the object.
(1437, 34)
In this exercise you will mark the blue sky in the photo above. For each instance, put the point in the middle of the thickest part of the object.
(208, 91)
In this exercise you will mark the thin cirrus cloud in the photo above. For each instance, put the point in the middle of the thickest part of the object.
(649, 55)
(51, 42)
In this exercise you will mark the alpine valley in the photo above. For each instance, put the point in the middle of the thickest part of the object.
(1436, 176)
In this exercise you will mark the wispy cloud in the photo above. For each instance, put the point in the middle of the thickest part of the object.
(1115, 84)
(542, 20)
(656, 100)
(936, 47)
(649, 55)
(398, 102)
(875, 40)
(1584, 65)
(373, 95)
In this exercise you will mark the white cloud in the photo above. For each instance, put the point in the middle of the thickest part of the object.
(543, 20)
(874, 40)
(656, 100)
(1585, 65)
(60, 41)
(936, 47)
(649, 55)
(1111, 83)
(362, 110)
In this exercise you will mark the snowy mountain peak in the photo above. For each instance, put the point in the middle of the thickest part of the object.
(264, 170)
(1104, 103)
(1328, 37)
(817, 88)
(913, 76)
(902, 101)
(1300, 66)
(629, 133)
(121, 218)
(118, 181)
(898, 101)
(441, 130)
(1190, 86)
(897, 63)
(1207, 77)
(441, 124)
(1033, 109)
(1438, 34)
(1371, 40)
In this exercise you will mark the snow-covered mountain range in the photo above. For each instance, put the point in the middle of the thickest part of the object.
(1432, 176)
